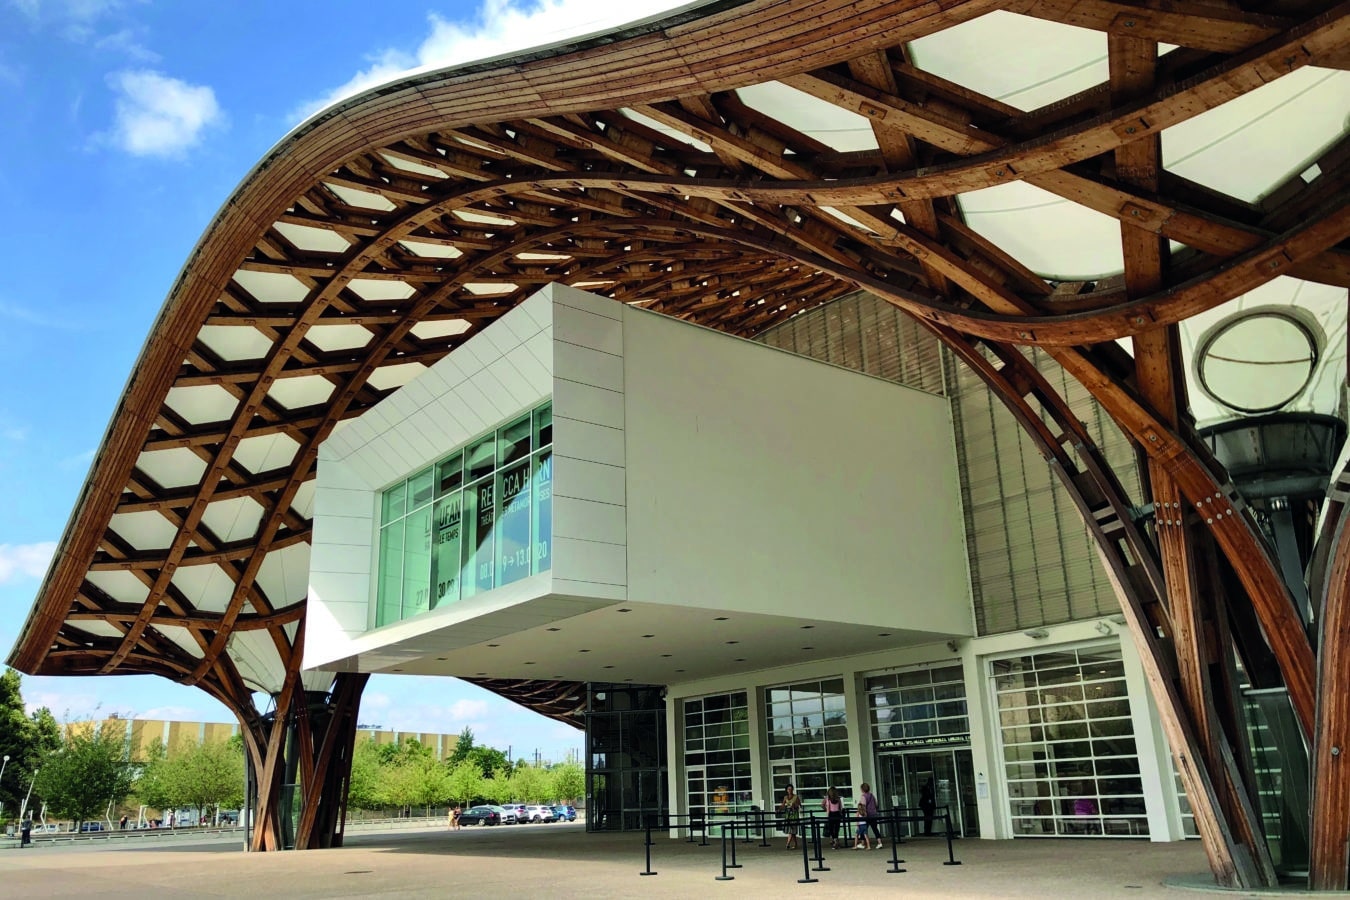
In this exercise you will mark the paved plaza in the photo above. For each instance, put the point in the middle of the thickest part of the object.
(564, 861)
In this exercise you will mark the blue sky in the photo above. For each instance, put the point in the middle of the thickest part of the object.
(128, 123)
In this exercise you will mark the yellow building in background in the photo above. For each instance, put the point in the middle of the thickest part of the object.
(140, 734)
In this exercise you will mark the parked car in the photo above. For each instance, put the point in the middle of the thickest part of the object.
(521, 812)
(481, 815)
(541, 813)
(565, 813)
(88, 827)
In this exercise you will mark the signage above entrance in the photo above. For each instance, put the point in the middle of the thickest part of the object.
(914, 743)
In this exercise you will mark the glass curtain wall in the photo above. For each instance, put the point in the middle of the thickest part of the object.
(626, 756)
(919, 708)
(480, 518)
(807, 731)
(717, 764)
(1068, 744)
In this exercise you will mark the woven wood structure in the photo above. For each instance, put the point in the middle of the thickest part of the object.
(388, 229)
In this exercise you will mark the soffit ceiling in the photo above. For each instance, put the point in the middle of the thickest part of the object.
(733, 165)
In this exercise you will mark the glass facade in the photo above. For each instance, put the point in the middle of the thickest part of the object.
(717, 754)
(807, 731)
(626, 756)
(918, 708)
(1068, 744)
(480, 518)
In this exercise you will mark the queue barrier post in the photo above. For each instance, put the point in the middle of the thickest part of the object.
(724, 876)
(815, 842)
(732, 823)
(806, 860)
(763, 829)
(648, 842)
(951, 854)
(895, 843)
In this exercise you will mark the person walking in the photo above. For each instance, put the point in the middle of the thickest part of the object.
(454, 817)
(867, 805)
(792, 814)
(26, 831)
(928, 806)
(122, 824)
(834, 816)
(860, 837)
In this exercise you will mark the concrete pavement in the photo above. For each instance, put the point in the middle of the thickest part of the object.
(564, 861)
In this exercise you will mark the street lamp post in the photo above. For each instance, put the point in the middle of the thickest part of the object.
(24, 808)
(2, 779)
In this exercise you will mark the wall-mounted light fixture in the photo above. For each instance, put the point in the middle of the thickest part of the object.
(1037, 633)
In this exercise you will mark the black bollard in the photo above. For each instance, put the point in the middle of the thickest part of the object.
(763, 829)
(734, 864)
(649, 848)
(895, 843)
(703, 830)
(691, 818)
(815, 841)
(745, 814)
(951, 855)
(724, 876)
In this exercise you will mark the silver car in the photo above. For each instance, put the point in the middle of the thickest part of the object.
(540, 813)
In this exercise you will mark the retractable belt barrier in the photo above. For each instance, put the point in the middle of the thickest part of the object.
(807, 823)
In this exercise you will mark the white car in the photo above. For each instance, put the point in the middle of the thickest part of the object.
(540, 813)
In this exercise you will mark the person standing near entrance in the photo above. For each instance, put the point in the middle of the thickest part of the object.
(927, 805)
(792, 814)
(25, 831)
(867, 811)
(834, 816)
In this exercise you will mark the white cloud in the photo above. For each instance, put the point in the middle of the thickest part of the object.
(160, 116)
(25, 560)
(468, 709)
(499, 26)
(127, 41)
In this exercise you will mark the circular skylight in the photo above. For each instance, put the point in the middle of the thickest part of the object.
(1257, 362)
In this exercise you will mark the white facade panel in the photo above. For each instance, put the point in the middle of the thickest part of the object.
(593, 561)
(588, 329)
(588, 520)
(764, 482)
(587, 366)
(585, 440)
(588, 404)
(586, 480)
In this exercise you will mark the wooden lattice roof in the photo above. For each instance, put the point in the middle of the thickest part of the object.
(733, 166)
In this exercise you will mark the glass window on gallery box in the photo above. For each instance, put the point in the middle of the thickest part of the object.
(448, 526)
(479, 516)
(417, 559)
(513, 522)
(542, 529)
(388, 602)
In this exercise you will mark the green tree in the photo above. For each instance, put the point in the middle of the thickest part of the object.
(463, 747)
(497, 786)
(568, 782)
(152, 778)
(24, 738)
(464, 781)
(207, 775)
(365, 789)
(530, 784)
(86, 774)
(489, 760)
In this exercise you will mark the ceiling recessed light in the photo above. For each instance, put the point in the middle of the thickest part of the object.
(623, 609)
(494, 645)
(398, 670)
(583, 651)
(808, 648)
(649, 635)
(666, 655)
(720, 619)
(883, 634)
(529, 663)
(608, 667)
(557, 676)
(733, 642)
(740, 659)
(481, 674)
(628, 679)
(807, 627)
(440, 659)
(679, 670)
(553, 629)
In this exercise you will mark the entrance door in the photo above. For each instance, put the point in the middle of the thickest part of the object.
(902, 777)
